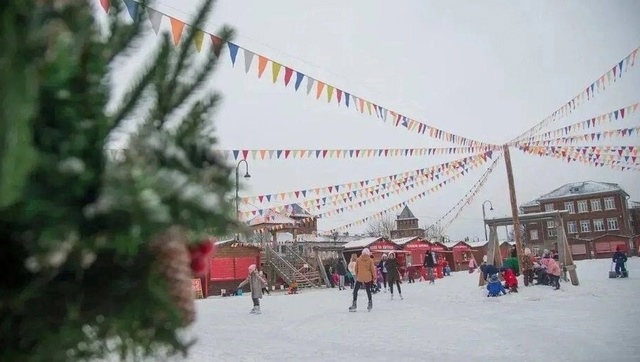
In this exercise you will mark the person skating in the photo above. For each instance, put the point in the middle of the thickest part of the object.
(341, 270)
(619, 258)
(365, 273)
(383, 269)
(352, 269)
(265, 289)
(429, 264)
(256, 283)
(393, 274)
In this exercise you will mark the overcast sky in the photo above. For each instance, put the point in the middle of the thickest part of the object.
(485, 70)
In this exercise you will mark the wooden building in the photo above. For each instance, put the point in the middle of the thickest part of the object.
(377, 245)
(462, 253)
(229, 265)
(416, 248)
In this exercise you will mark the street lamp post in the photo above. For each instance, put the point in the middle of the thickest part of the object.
(484, 217)
(246, 175)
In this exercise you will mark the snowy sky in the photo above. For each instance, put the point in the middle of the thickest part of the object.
(485, 70)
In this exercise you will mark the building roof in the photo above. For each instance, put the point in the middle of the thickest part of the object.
(477, 243)
(271, 217)
(404, 241)
(361, 243)
(580, 189)
(406, 214)
(531, 204)
(297, 211)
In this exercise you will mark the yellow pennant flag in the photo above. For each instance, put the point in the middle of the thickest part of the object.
(329, 93)
(197, 39)
(275, 70)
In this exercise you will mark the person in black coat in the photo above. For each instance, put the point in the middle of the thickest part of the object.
(619, 257)
(341, 270)
(488, 270)
(430, 263)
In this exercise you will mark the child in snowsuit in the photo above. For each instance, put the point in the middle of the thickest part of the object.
(256, 283)
(510, 280)
(495, 287)
(554, 271)
(527, 267)
(293, 287)
(619, 257)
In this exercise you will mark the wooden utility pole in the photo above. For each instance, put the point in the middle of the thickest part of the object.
(514, 204)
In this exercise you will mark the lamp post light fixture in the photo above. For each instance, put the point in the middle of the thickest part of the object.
(246, 175)
(484, 217)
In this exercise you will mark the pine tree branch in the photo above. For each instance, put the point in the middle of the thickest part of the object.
(123, 37)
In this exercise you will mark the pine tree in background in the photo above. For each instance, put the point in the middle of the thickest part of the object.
(94, 252)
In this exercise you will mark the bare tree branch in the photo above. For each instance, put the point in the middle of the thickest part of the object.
(382, 226)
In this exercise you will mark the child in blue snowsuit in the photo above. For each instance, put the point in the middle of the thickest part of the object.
(619, 258)
(495, 287)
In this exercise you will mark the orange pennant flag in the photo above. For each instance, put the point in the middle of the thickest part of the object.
(319, 89)
(262, 64)
(176, 30)
(275, 70)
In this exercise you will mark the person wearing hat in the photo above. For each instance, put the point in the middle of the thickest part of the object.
(365, 274)
(620, 258)
(494, 287)
(393, 273)
(383, 269)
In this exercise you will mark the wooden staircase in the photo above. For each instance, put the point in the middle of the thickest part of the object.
(292, 267)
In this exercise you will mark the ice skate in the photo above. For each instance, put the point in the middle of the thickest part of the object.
(391, 296)
(253, 310)
(256, 310)
(401, 298)
(370, 306)
(353, 307)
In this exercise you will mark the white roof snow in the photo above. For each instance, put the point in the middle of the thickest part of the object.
(404, 241)
(581, 188)
(271, 217)
(361, 243)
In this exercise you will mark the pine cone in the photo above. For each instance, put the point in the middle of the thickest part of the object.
(174, 263)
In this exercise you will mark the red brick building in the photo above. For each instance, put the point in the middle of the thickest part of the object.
(407, 225)
(595, 209)
(634, 212)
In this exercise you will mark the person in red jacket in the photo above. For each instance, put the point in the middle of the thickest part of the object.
(510, 280)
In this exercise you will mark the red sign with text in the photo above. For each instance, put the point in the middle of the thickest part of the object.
(383, 245)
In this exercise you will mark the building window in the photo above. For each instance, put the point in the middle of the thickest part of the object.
(585, 226)
(572, 228)
(551, 224)
(569, 207)
(548, 207)
(534, 234)
(582, 206)
(598, 225)
(609, 204)
(595, 205)
(552, 233)
(612, 224)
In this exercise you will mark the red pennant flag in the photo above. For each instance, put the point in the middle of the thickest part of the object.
(287, 75)
(244, 154)
(217, 45)
(286, 153)
(105, 5)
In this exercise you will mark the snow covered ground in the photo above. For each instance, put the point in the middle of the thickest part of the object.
(449, 321)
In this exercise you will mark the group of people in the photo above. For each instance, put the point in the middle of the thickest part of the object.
(368, 275)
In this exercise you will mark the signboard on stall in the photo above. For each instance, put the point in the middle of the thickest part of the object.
(196, 288)
(382, 245)
(417, 245)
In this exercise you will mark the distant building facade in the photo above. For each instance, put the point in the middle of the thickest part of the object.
(596, 210)
(407, 225)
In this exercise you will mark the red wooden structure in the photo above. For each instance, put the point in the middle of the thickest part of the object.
(230, 265)
(462, 253)
(377, 245)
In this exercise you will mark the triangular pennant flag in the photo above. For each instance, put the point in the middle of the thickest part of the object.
(177, 27)
(233, 51)
(262, 65)
(197, 39)
(319, 88)
(275, 70)
(288, 72)
(132, 8)
(248, 59)
(299, 78)
(329, 93)
(309, 84)
(105, 5)
(155, 18)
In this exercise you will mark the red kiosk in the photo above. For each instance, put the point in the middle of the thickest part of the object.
(441, 252)
(415, 249)
(378, 247)
(462, 254)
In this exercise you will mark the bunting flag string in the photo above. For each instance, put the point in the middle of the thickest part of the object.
(617, 115)
(588, 93)
(286, 154)
(628, 162)
(380, 214)
(318, 88)
(472, 194)
(471, 191)
(456, 176)
(625, 153)
(588, 137)
(374, 193)
(431, 171)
